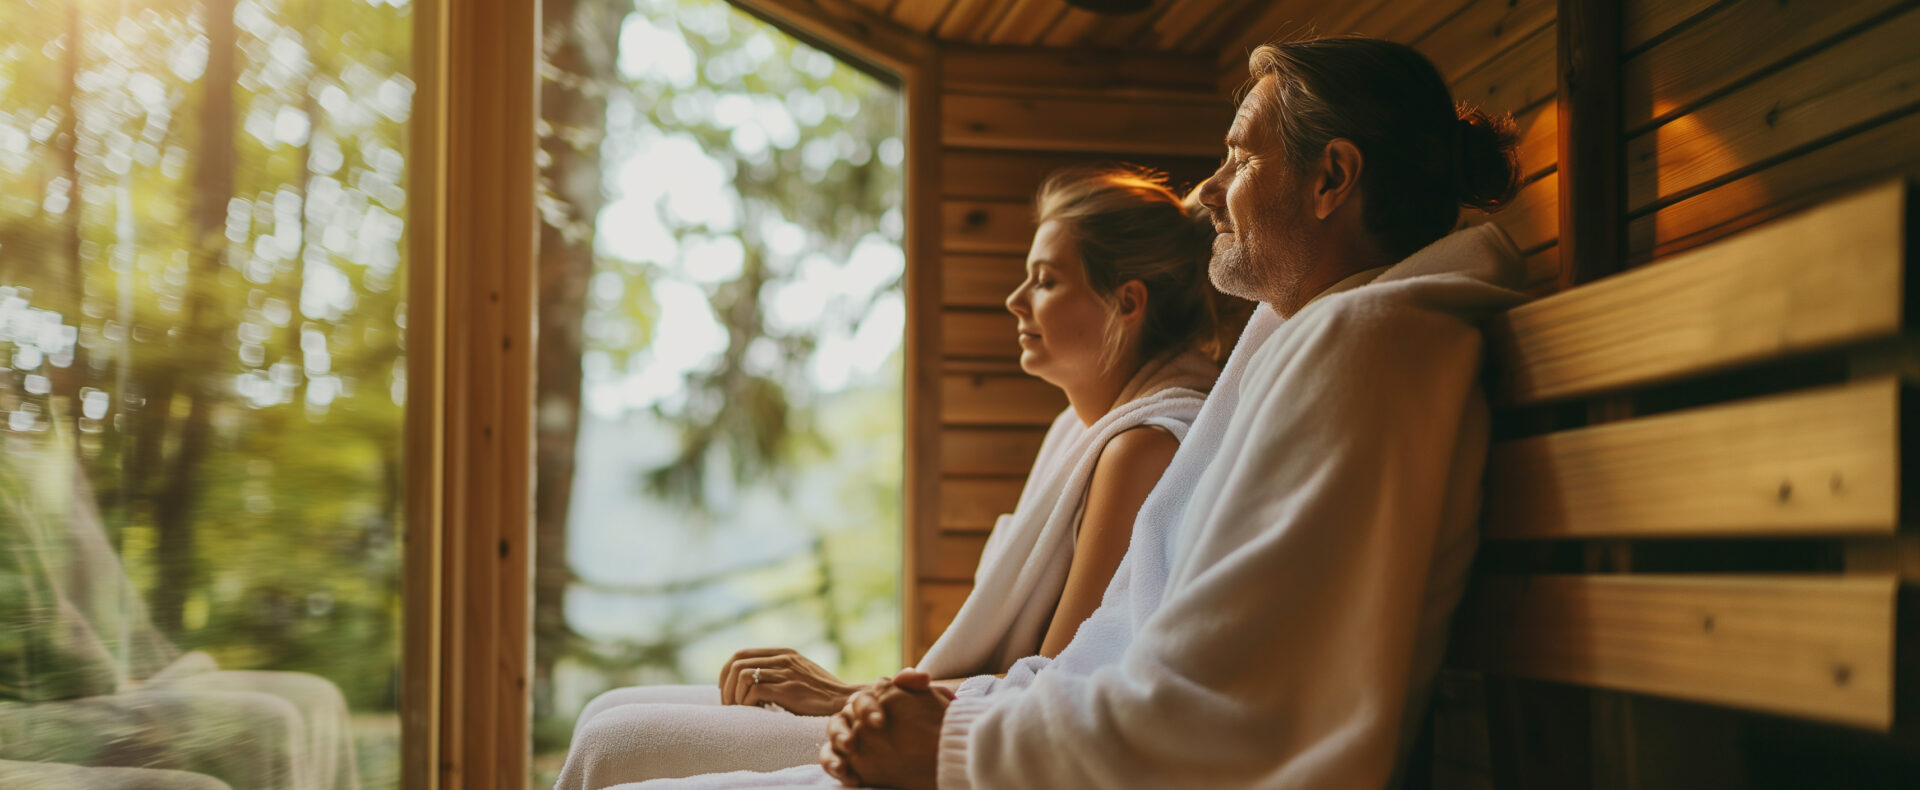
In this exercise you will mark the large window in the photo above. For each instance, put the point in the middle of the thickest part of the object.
(719, 410)
(202, 306)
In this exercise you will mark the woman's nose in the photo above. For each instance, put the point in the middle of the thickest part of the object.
(1017, 301)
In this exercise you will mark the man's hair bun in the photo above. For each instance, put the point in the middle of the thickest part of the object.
(1486, 165)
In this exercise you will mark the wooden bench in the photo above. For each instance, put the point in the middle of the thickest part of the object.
(1695, 491)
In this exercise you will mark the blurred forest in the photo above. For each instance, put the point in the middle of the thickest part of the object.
(202, 303)
(760, 175)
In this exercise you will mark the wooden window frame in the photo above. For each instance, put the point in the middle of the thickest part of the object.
(472, 230)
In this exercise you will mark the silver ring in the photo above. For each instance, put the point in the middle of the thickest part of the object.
(756, 674)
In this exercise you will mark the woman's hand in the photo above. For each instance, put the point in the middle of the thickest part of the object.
(783, 677)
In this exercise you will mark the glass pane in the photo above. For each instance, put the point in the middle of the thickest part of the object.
(202, 275)
(720, 407)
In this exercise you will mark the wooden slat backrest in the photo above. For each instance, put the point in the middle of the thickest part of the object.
(1822, 462)
(1831, 275)
(1810, 463)
(1819, 648)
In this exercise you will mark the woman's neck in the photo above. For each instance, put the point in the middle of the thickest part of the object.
(1092, 398)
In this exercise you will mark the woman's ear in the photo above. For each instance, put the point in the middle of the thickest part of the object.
(1130, 300)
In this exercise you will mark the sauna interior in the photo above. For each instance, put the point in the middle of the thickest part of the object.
(1697, 567)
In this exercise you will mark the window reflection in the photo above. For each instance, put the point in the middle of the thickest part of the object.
(201, 320)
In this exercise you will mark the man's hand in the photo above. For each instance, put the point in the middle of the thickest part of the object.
(784, 677)
(888, 735)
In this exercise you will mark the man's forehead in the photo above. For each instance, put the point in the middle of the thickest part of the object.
(1249, 126)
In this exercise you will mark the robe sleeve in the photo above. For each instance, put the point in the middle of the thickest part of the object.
(1284, 653)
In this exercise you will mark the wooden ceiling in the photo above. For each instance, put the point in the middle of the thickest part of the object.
(1228, 28)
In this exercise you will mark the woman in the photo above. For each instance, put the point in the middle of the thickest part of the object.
(1117, 312)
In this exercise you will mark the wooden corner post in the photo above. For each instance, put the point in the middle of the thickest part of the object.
(470, 396)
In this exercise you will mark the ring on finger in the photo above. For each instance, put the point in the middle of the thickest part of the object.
(756, 674)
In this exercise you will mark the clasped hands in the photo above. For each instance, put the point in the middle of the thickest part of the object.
(888, 735)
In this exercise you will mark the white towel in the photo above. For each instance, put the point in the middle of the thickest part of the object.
(1024, 566)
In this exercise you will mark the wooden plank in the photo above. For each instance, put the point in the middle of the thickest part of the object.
(1516, 80)
(1824, 462)
(1590, 222)
(939, 602)
(969, 69)
(990, 451)
(1072, 28)
(1016, 175)
(1848, 84)
(1792, 184)
(1182, 18)
(1643, 20)
(972, 504)
(1286, 19)
(1818, 648)
(983, 399)
(1727, 45)
(1539, 148)
(1827, 276)
(980, 280)
(1029, 20)
(978, 333)
(970, 19)
(429, 413)
(1480, 31)
(958, 556)
(1093, 124)
(1543, 266)
(920, 16)
(1532, 219)
(986, 226)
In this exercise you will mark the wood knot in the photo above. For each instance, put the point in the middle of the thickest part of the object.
(976, 218)
(976, 126)
(1773, 116)
(505, 547)
(1707, 624)
(1842, 674)
(1836, 483)
(1786, 490)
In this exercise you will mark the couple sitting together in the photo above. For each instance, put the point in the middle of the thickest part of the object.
(1233, 583)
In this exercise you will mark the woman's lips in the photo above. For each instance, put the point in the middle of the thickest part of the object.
(1027, 337)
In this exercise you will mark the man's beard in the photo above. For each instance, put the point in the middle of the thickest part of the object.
(1274, 275)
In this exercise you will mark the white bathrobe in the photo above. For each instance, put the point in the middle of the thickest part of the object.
(643, 733)
(1316, 529)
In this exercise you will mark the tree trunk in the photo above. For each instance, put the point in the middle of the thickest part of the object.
(200, 348)
(581, 40)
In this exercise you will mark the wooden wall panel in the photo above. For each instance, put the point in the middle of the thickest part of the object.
(998, 399)
(1781, 106)
(1098, 124)
(1857, 81)
(981, 280)
(1481, 31)
(1515, 80)
(989, 451)
(1016, 175)
(1703, 59)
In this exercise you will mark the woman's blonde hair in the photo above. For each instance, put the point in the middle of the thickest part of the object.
(1127, 225)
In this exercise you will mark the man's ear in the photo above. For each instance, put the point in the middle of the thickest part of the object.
(1339, 177)
(1130, 300)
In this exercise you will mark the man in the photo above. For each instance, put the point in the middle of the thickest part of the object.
(1322, 511)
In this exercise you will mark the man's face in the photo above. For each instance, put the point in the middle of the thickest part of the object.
(1261, 211)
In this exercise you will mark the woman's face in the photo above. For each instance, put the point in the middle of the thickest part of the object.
(1062, 323)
